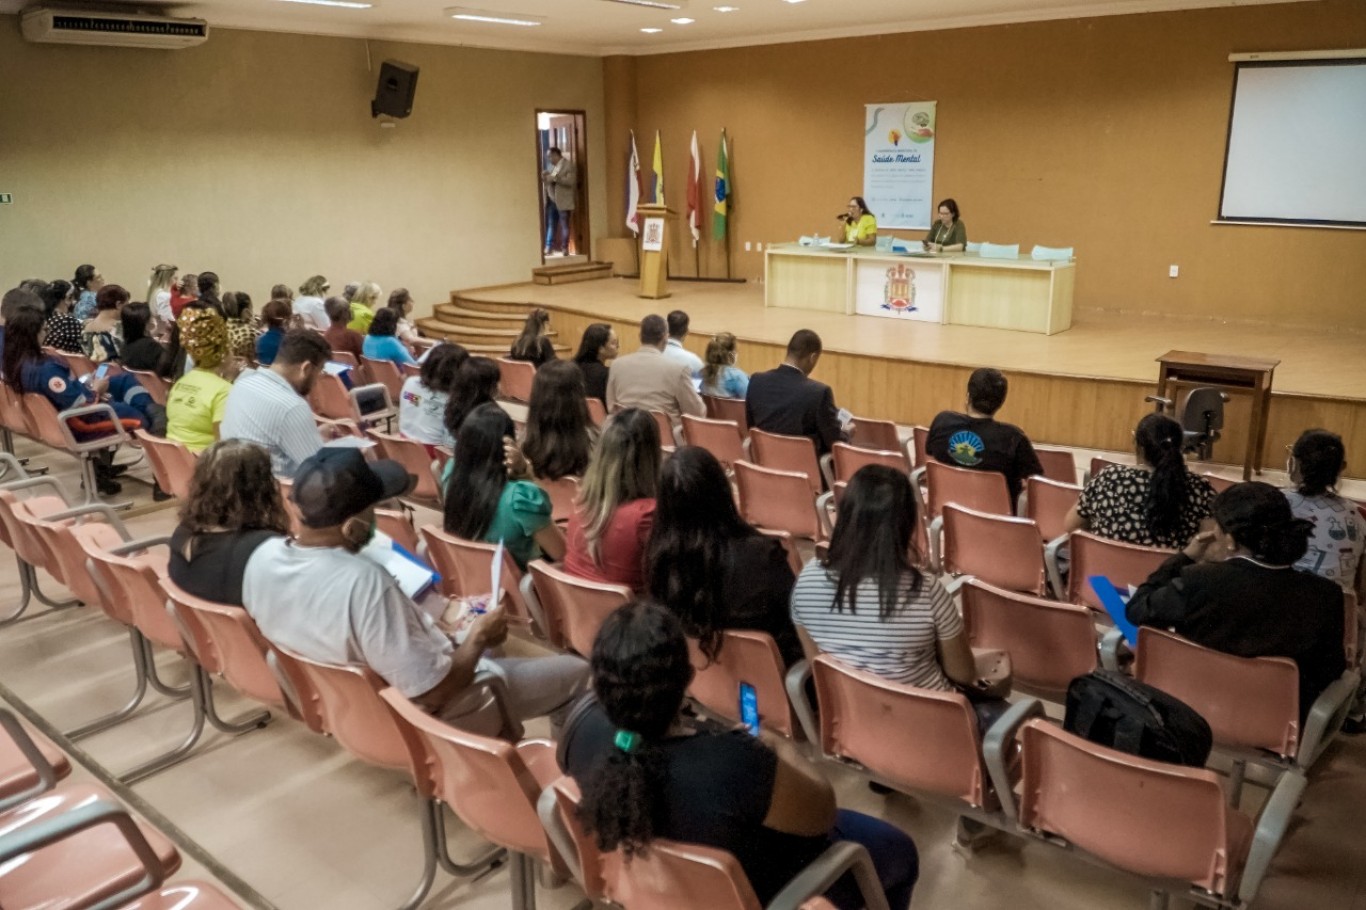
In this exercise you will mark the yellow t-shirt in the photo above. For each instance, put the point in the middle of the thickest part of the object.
(195, 403)
(361, 317)
(865, 227)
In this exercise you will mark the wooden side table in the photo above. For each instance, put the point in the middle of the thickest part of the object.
(1248, 375)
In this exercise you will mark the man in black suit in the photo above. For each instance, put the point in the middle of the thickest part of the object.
(786, 401)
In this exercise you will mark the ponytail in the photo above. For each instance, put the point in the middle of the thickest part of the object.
(1319, 455)
(1160, 440)
(623, 797)
(1258, 517)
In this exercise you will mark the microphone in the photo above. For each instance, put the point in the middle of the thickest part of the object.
(842, 216)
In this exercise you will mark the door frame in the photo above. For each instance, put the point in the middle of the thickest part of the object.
(579, 155)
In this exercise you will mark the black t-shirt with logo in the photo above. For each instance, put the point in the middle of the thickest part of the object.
(983, 444)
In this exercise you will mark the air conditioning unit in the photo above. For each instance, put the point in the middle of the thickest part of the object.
(49, 25)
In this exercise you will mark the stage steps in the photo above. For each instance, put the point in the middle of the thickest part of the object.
(463, 315)
(568, 274)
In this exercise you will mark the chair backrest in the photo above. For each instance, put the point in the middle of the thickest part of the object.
(387, 373)
(786, 453)
(13, 417)
(674, 876)
(920, 438)
(918, 738)
(778, 500)
(1203, 409)
(516, 378)
(59, 537)
(1047, 503)
(1123, 563)
(154, 384)
(879, 435)
(1100, 463)
(984, 491)
(732, 409)
(42, 421)
(597, 411)
(464, 567)
(722, 438)
(794, 556)
(21, 517)
(483, 779)
(558, 809)
(574, 608)
(1000, 549)
(413, 456)
(97, 535)
(1220, 484)
(1250, 702)
(1058, 464)
(397, 524)
(329, 398)
(1050, 643)
(562, 492)
(1147, 817)
(172, 463)
(136, 582)
(848, 459)
(345, 357)
(746, 656)
(666, 429)
(353, 712)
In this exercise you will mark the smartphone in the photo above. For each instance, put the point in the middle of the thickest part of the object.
(102, 371)
(749, 708)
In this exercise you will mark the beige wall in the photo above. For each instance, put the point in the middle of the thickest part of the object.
(1106, 134)
(255, 155)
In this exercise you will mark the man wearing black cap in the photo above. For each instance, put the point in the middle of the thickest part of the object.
(316, 597)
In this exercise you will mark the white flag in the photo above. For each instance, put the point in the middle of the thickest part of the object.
(633, 188)
(695, 191)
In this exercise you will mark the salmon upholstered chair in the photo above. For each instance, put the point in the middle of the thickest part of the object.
(172, 463)
(1124, 564)
(745, 656)
(387, 374)
(572, 608)
(999, 549)
(516, 379)
(777, 500)
(796, 454)
(1047, 503)
(1058, 464)
(466, 567)
(1050, 642)
(722, 438)
(732, 409)
(879, 435)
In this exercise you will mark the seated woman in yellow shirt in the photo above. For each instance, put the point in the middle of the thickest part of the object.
(860, 227)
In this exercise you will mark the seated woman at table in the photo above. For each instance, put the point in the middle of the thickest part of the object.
(948, 234)
(860, 227)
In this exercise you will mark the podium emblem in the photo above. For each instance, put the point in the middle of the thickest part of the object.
(898, 294)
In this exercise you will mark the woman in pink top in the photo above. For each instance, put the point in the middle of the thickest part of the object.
(610, 529)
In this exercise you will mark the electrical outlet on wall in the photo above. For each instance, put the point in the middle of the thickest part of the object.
(1174, 271)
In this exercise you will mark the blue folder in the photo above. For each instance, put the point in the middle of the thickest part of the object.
(1114, 602)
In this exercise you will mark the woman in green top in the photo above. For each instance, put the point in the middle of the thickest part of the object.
(948, 234)
(860, 227)
(490, 497)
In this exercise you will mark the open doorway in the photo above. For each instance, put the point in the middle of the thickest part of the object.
(561, 155)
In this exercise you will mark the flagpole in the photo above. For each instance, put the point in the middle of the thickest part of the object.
(729, 231)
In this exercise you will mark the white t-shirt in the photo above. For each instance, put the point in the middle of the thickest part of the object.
(162, 306)
(313, 312)
(422, 413)
(328, 605)
(902, 649)
(1339, 536)
(674, 350)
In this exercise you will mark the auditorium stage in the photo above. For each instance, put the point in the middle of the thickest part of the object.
(1083, 387)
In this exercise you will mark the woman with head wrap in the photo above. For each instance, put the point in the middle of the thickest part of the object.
(194, 406)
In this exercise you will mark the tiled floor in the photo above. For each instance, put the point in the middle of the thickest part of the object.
(306, 826)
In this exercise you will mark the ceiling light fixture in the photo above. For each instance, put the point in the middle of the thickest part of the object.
(344, 4)
(683, 20)
(652, 31)
(726, 9)
(654, 4)
(479, 15)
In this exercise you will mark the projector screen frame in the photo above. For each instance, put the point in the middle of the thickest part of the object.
(1261, 60)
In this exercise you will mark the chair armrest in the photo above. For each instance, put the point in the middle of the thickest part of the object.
(547, 807)
(827, 463)
(828, 868)
(796, 680)
(142, 543)
(497, 688)
(1113, 650)
(116, 437)
(533, 605)
(995, 745)
(29, 483)
(95, 508)
(823, 505)
(1271, 828)
(936, 528)
(1325, 718)
(1050, 560)
(47, 775)
(100, 812)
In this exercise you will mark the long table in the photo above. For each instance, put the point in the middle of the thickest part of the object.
(954, 288)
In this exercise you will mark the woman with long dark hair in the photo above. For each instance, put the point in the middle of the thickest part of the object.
(140, 350)
(1155, 503)
(559, 433)
(708, 566)
(476, 383)
(102, 336)
(647, 772)
(88, 281)
(489, 495)
(423, 399)
(1335, 546)
(63, 329)
(1234, 588)
(533, 345)
(598, 345)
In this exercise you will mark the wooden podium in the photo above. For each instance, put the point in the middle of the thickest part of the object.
(654, 250)
(1250, 375)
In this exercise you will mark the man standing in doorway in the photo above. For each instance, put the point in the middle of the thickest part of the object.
(560, 180)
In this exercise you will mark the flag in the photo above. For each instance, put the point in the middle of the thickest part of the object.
(718, 217)
(695, 191)
(633, 188)
(657, 182)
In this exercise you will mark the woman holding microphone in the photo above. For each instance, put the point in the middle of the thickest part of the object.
(948, 234)
(860, 227)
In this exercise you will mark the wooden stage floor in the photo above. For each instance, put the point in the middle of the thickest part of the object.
(1081, 387)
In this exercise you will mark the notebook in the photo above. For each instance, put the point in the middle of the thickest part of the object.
(1114, 602)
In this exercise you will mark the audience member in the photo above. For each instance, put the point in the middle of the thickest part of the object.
(183, 292)
(423, 399)
(673, 349)
(1156, 503)
(310, 305)
(476, 383)
(283, 292)
(978, 441)
(1335, 546)
(197, 402)
(241, 325)
(598, 345)
(1234, 588)
(363, 306)
(159, 288)
(88, 282)
(317, 597)
(349, 290)
(646, 770)
(787, 401)
(381, 343)
(490, 495)
(559, 433)
(401, 302)
(33, 285)
(267, 406)
(234, 506)
(208, 291)
(102, 336)
(275, 316)
(16, 299)
(709, 567)
(720, 376)
(533, 345)
(338, 336)
(909, 630)
(650, 381)
(140, 350)
(63, 329)
(614, 515)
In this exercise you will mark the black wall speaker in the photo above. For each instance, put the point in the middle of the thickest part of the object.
(395, 90)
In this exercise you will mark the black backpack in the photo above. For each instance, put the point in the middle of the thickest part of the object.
(1115, 710)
